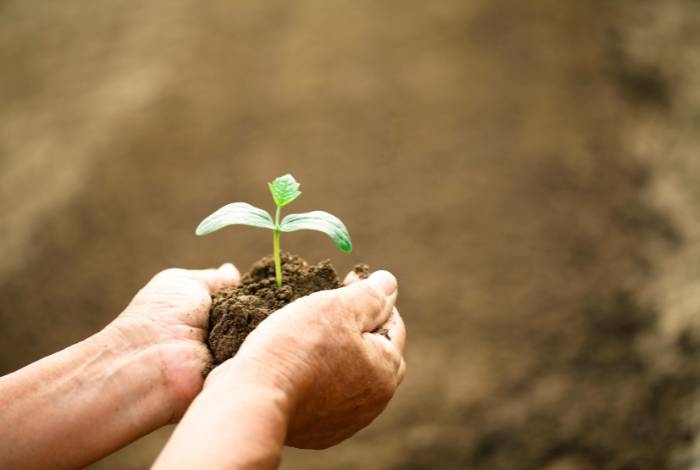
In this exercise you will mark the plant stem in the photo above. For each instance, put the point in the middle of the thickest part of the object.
(276, 249)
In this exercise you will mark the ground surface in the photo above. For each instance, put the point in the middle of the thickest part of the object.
(528, 170)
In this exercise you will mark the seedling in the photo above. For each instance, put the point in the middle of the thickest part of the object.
(284, 190)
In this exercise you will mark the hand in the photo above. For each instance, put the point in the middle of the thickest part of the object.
(322, 351)
(137, 374)
(170, 315)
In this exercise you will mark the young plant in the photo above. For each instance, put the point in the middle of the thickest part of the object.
(284, 190)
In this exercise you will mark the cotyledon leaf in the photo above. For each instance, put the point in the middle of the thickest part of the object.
(237, 213)
(321, 221)
(284, 190)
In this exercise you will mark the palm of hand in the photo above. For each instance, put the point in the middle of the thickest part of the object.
(170, 314)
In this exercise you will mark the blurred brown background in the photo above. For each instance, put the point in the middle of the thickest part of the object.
(528, 170)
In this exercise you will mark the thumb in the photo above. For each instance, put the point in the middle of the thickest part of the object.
(370, 300)
(214, 279)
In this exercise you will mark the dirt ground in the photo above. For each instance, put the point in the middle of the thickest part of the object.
(528, 170)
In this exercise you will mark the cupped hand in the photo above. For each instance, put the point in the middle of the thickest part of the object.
(169, 316)
(337, 354)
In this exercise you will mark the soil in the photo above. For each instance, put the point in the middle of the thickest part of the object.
(238, 310)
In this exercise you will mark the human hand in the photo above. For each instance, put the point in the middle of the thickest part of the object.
(137, 374)
(169, 317)
(324, 351)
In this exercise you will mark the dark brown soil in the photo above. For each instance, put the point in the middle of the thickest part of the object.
(238, 310)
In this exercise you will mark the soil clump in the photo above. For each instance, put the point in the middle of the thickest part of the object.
(238, 310)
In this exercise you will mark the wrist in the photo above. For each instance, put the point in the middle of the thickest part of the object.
(239, 420)
(132, 370)
(100, 384)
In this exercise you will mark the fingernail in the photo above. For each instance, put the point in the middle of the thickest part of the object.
(385, 280)
(228, 269)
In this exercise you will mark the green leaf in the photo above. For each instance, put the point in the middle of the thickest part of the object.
(284, 190)
(321, 221)
(237, 213)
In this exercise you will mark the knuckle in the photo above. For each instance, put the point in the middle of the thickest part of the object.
(371, 299)
(392, 355)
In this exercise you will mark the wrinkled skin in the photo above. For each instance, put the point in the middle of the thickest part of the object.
(321, 350)
(170, 314)
(311, 375)
(337, 374)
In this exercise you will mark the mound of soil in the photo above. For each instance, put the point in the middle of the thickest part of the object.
(238, 310)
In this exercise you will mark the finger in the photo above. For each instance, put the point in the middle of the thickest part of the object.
(390, 339)
(350, 278)
(385, 351)
(370, 300)
(402, 371)
(359, 272)
(214, 279)
(394, 330)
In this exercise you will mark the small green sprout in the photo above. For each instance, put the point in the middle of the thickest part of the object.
(284, 190)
